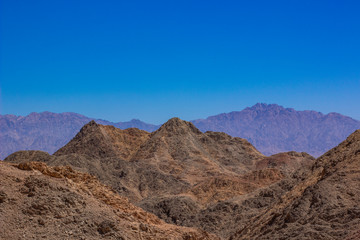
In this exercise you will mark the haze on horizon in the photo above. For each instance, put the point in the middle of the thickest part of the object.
(156, 60)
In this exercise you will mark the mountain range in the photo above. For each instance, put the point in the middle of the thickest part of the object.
(269, 127)
(177, 172)
(179, 183)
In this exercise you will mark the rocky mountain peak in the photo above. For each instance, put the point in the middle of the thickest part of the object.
(259, 106)
(265, 107)
(135, 120)
(92, 140)
(90, 126)
(177, 126)
(98, 140)
(271, 109)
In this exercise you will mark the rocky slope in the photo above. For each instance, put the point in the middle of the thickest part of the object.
(324, 205)
(287, 162)
(37, 201)
(273, 129)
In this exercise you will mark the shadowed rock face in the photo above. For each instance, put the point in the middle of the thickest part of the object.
(272, 128)
(186, 177)
(37, 201)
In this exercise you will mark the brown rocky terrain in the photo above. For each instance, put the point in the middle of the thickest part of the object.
(134, 180)
(37, 201)
(95, 140)
(209, 180)
(287, 162)
(222, 218)
(179, 148)
(324, 205)
(222, 188)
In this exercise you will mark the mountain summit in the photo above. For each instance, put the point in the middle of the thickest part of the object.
(177, 126)
(102, 141)
(179, 147)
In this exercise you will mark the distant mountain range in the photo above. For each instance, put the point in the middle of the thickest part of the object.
(272, 128)
(269, 127)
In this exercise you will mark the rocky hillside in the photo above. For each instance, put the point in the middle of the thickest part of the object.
(287, 162)
(273, 129)
(324, 205)
(37, 201)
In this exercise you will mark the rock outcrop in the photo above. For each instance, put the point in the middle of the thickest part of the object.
(37, 201)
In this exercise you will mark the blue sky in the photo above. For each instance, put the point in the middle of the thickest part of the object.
(154, 60)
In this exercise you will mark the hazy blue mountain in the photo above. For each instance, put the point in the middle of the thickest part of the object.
(272, 128)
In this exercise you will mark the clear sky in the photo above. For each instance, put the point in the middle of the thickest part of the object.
(154, 60)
